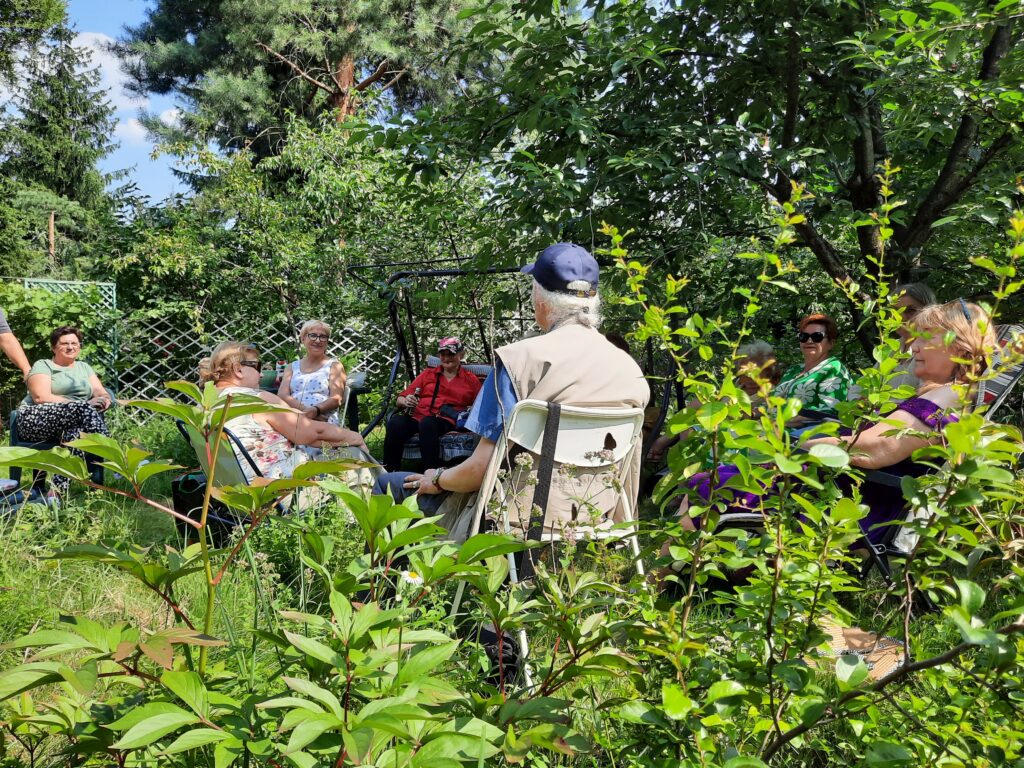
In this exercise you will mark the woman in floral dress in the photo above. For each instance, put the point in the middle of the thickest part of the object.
(821, 380)
(272, 439)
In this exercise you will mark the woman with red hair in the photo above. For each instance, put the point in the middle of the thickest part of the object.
(821, 380)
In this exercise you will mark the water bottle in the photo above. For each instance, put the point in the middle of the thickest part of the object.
(410, 408)
(281, 365)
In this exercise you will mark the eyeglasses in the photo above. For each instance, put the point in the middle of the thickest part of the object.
(257, 364)
(72, 344)
(804, 336)
(318, 337)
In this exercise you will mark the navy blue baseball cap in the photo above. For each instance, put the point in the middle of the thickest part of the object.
(562, 264)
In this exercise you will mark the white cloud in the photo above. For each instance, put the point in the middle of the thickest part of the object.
(131, 132)
(171, 117)
(111, 77)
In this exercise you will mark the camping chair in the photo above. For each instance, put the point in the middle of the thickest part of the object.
(590, 438)
(230, 470)
(898, 541)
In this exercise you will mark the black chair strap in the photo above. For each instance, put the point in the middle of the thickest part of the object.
(543, 488)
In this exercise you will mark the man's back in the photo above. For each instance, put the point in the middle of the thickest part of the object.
(574, 365)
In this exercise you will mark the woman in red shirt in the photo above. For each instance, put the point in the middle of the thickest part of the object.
(448, 384)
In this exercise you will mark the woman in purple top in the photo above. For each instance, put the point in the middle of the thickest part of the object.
(924, 415)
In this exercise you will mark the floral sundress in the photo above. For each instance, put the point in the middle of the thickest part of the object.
(820, 388)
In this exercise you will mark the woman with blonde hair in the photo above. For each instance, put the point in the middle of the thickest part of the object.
(314, 384)
(273, 439)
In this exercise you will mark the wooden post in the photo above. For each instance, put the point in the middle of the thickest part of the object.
(53, 237)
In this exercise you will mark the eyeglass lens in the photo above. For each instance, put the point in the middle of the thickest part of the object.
(257, 364)
(317, 336)
(815, 337)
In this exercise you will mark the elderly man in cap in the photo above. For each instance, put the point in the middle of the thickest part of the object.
(570, 363)
(429, 406)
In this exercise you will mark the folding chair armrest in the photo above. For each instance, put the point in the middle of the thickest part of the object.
(879, 477)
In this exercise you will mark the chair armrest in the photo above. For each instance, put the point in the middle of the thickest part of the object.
(880, 477)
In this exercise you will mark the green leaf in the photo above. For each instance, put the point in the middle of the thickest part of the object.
(851, 670)
(195, 738)
(788, 466)
(188, 687)
(316, 649)
(742, 761)
(486, 545)
(947, 7)
(422, 662)
(711, 415)
(886, 754)
(674, 701)
(311, 727)
(972, 596)
(153, 728)
(315, 692)
(725, 689)
(830, 455)
(25, 677)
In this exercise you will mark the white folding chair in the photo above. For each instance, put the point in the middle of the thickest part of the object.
(588, 438)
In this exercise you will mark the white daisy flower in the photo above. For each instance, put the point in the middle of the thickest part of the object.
(411, 577)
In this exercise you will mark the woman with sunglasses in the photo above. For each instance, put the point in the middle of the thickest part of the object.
(272, 439)
(314, 385)
(821, 380)
(951, 348)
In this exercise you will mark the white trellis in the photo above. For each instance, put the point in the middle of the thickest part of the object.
(158, 350)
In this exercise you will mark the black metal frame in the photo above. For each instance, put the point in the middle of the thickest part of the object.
(402, 353)
(239, 450)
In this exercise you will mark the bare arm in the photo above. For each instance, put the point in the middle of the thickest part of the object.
(335, 389)
(40, 387)
(878, 447)
(100, 399)
(285, 391)
(12, 348)
(462, 478)
(304, 431)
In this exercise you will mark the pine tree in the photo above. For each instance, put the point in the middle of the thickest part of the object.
(23, 23)
(50, 145)
(242, 66)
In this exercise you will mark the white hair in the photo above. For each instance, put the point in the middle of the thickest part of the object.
(757, 351)
(564, 308)
(313, 324)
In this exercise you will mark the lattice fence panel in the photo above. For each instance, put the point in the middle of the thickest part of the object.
(158, 350)
(107, 291)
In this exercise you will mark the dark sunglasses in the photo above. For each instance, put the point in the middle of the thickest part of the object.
(257, 364)
(804, 336)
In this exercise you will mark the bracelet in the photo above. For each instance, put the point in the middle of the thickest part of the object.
(436, 480)
(317, 409)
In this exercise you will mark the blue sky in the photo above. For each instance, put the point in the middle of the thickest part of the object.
(99, 22)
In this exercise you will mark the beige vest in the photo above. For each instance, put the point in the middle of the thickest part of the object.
(574, 365)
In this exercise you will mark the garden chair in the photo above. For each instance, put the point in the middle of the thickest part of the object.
(899, 541)
(588, 438)
(230, 471)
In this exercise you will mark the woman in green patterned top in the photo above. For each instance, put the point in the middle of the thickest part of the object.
(821, 381)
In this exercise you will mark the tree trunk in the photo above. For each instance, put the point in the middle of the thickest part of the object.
(345, 77)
